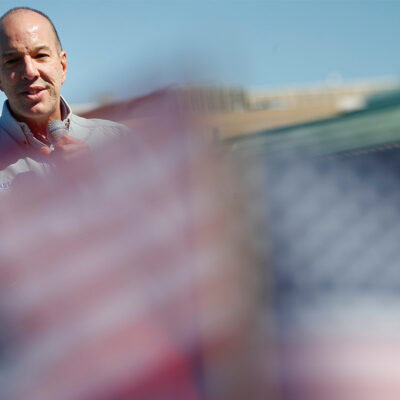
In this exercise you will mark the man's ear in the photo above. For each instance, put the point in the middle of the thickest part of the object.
(63, 60)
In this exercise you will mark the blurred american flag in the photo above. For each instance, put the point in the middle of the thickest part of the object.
(123, 278)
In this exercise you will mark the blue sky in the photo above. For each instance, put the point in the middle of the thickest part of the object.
(126, 48)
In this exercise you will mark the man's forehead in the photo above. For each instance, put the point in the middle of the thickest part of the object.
(24, 25)
(24, 21)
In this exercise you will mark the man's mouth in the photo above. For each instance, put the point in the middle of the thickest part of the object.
(33, 93)
(32, 90)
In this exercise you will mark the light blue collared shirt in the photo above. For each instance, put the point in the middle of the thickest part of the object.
(21, 132)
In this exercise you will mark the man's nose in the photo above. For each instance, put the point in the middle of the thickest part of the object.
(30, 70)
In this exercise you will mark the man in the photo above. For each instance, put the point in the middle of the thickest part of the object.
(33, 68)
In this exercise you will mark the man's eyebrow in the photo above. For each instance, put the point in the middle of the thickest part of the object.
(42, 47)
(9, 53)
(15, 52)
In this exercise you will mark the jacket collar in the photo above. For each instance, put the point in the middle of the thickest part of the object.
(20, 131)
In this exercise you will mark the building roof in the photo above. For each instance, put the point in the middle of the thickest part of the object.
(376, 126)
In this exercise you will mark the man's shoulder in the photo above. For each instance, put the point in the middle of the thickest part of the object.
(95, 130)
(96, 123)
(7, 142)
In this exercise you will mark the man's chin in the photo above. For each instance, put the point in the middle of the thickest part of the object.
(34, 113)
(36, 109)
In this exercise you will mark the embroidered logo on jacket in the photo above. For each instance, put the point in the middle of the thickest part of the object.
(5, 185)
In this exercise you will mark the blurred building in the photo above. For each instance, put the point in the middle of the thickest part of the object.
(233, 112)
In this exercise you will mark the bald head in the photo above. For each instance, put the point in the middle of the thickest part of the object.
(32, 67)
(24, 10)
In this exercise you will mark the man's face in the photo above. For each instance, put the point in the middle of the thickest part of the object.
(32, 67)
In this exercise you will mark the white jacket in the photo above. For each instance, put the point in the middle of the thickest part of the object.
(19, 149)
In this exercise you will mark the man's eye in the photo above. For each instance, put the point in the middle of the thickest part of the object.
(11, 61)
(42, 55)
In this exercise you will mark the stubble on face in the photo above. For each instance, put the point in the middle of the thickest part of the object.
(32, 67)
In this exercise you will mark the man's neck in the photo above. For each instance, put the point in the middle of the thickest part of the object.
(38, 129)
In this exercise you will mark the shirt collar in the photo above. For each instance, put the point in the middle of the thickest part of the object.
(65, 110)
(20, 131)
